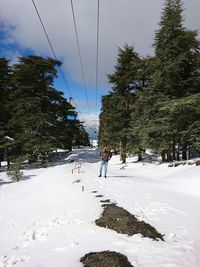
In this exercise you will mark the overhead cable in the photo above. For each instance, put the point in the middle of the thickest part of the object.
(79, 52)
(97, 53)
(53, 51)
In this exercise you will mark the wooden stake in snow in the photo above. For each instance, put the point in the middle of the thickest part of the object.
(77, 167)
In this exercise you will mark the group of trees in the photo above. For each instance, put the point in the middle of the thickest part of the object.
(155, 101)
(34, 116)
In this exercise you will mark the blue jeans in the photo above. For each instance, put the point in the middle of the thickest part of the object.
(104, 166)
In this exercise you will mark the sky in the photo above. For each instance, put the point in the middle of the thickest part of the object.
(121, 22)
(48, 218)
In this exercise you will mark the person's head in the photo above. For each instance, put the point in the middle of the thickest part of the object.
(106, 149)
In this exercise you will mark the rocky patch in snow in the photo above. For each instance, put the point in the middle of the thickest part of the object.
(105, 259)
(120, 220)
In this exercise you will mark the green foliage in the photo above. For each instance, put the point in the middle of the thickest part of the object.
(4, 111)
(14, 170)
(177, 54)
(131, 76)
(175, 83)
(161, 93)
(38, 113)
(80, 137)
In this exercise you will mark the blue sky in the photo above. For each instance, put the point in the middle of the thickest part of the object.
(121, 21)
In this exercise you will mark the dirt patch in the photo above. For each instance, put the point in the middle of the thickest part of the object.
(105, 259)
(77, 181)
(197, 162)
(120, 220)
(105, 201)
(99, 195)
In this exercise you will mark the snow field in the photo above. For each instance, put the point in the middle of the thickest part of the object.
(48, 220)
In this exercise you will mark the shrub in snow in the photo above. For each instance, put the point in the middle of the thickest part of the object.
(14, 171)
(105, 259)
(197, 162)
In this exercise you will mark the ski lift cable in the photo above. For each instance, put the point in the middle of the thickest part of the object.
(53, 51)
(97, 62)
(79, 52)
(97, 52)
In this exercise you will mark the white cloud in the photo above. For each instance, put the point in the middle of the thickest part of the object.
(91, 121)
(84, 105)
(121, 21)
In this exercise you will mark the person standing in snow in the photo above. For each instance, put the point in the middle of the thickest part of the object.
(105, 155)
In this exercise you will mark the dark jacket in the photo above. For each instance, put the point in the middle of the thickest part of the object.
(106, 155)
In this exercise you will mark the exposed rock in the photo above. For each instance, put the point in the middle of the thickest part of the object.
(105, 201)
(105, 259)
(197, 162)
(120, 220)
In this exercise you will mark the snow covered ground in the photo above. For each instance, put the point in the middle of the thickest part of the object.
(47, 219)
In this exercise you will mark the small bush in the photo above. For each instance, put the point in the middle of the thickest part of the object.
(105, 259)
(14, 171)
(197, 162)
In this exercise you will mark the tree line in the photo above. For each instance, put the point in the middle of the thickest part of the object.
(34, 116)
(154, 102)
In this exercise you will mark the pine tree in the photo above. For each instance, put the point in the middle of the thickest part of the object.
(177, 56)
(141, 109)
(107, 136)
(80, 136)
(39, 112)
(176, 76)
(5, 73)
(115, 116)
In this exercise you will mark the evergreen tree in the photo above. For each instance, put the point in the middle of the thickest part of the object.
(176, 76)
(39, 112)
(5, 73)
(115, 116)
(160, 110)
(80, 136)
(141, 109)
(177, 54)
(107, 136)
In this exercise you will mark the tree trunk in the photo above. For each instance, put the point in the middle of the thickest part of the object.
(189, 152)
(169, 155)
(123, 150)
(120, 151)
(139, 156)
(178, 153)
(163, 156)
(174, 150)
(184, 155)
(184, 152)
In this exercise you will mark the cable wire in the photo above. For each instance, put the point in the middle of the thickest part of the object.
(97, 54)
(53, 51)
(79, 52)
(97, 60)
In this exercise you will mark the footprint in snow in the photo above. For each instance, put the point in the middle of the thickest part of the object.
(59, 249)
(6, 261)
(39, 231)
(72, 245)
